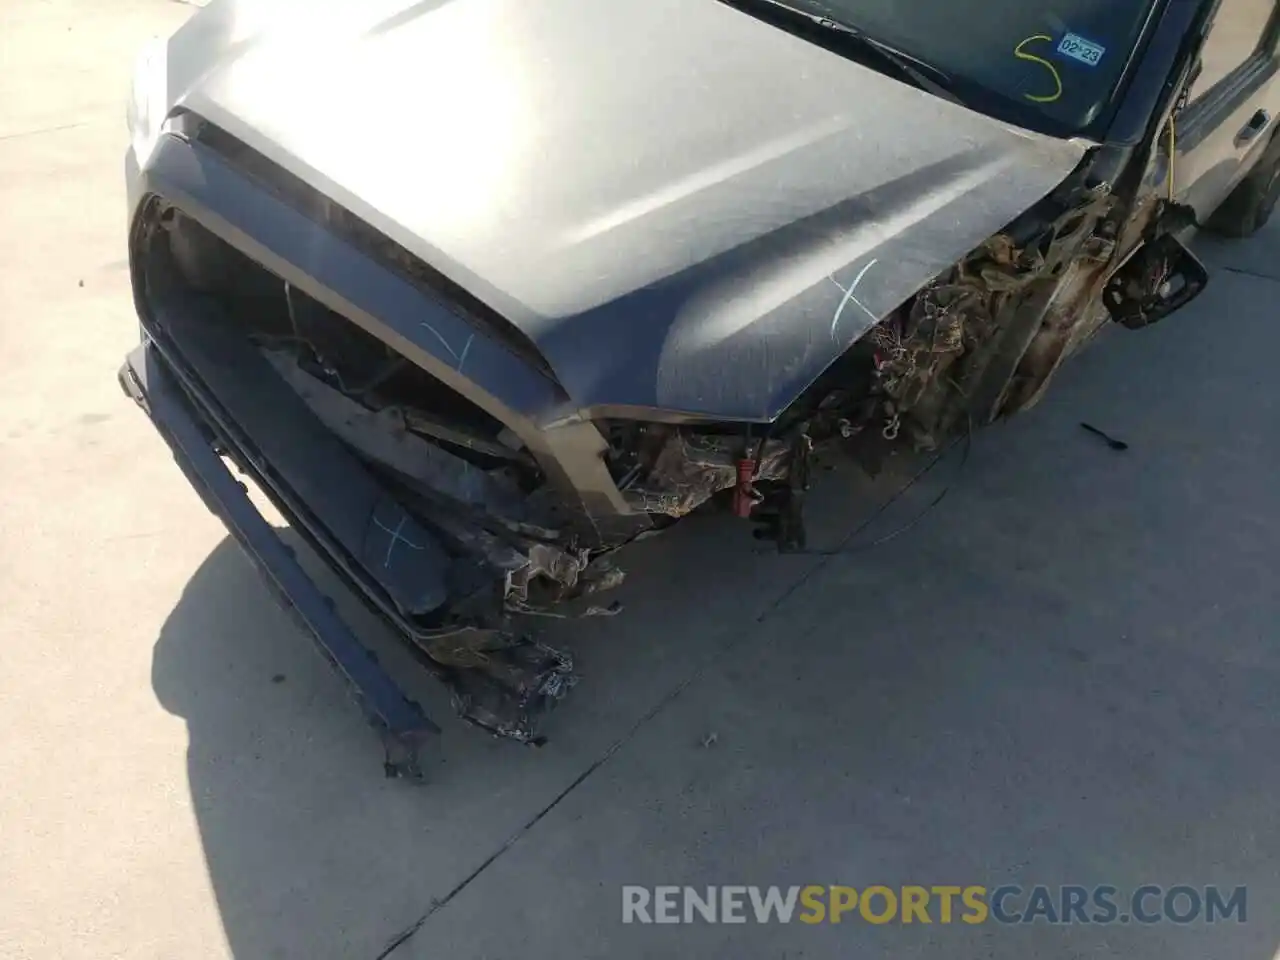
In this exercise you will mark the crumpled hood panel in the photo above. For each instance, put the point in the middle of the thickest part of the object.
(683, 207)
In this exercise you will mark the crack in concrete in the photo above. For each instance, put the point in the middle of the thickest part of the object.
(735, 639)
(18, 134)
(440, 903)
(1251, 273)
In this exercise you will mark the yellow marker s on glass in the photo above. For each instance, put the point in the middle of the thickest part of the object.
(1053, 71)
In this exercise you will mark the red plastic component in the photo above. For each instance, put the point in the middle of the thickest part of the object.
(743, 500)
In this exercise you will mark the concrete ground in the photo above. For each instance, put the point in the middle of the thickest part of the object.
(1065, 673)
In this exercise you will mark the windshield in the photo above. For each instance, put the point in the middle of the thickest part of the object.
(1060, 58)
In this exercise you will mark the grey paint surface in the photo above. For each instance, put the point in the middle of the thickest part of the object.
(1101, 627)
(675, 201)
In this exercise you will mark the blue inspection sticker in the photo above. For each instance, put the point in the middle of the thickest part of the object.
(1078, 48)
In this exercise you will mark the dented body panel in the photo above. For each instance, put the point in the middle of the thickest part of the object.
(702, 272)
(479, 291)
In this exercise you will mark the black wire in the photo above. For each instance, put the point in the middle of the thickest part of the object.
(845, 548)
(393, 365)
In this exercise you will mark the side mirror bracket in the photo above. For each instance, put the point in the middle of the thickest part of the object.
(1161, 276)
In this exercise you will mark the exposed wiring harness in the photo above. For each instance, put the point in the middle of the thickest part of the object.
(846, 547)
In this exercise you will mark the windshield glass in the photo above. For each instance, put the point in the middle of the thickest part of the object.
(1062, 58)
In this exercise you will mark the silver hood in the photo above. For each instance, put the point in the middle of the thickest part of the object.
(683, 207)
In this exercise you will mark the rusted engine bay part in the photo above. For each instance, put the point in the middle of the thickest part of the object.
(979, 342)
(982, 341)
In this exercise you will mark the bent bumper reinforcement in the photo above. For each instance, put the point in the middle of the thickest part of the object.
(147, 378)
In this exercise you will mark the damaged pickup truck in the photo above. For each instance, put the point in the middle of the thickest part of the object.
(479, 291)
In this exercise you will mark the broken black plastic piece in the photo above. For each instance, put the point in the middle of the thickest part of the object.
(780, 514)
(400, 721)
(515, 681)
(1111, 441)
(1163, 276)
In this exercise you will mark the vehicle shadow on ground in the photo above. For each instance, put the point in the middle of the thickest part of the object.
(312, 854)
(1064, 676)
